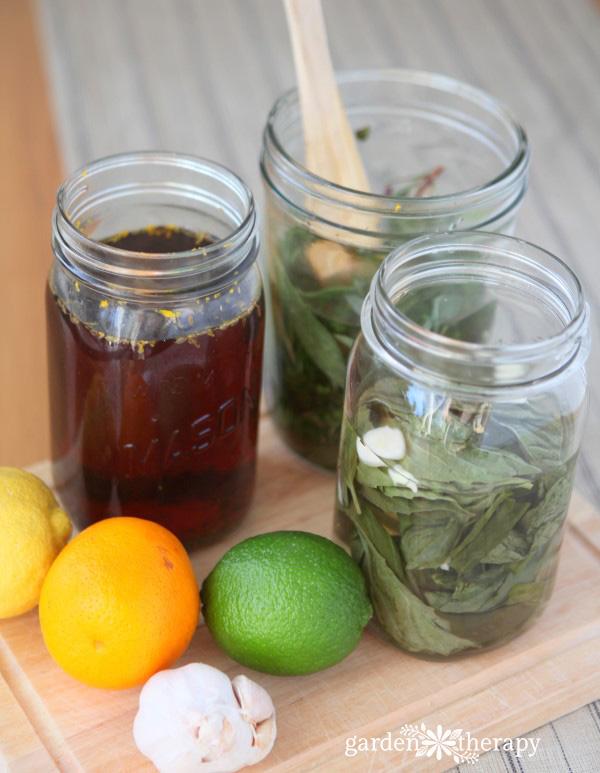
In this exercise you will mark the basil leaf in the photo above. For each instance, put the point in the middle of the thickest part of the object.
(378, 539)
(411, 623)
(547, 518)
(529, 432)
(479, 591)
(488, 532)
(318, 342)
(347, 464)
(372, 476)
(338, 303)
(532, 594)
(433, 463)
(457, 310)
(430, 540)
(513, 547)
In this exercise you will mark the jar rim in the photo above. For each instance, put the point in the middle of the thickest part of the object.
(293, 171)
(95, 255)
(473, 364)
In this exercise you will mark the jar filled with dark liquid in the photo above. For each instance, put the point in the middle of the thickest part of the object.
(155, 335)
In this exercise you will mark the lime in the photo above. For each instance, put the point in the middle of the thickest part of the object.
(286, 602)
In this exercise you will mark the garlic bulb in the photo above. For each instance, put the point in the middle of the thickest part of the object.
(193, 719)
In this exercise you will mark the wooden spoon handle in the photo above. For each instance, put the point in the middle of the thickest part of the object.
(330, 145)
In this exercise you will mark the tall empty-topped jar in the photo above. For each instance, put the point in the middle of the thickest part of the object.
(155, 334)
(440, 155)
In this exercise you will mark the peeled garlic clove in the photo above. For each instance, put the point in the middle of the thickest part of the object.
(367, 456)
(401, 477)
(265, 736)
(386, 442)
(257, 708)
(190, 721)
(255, 702)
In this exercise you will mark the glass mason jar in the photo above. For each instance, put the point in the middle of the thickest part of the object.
(155, 332)
(439, 154)
(465, 404)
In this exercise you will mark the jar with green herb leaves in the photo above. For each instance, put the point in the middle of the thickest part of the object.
(440, 155)
(465, 403)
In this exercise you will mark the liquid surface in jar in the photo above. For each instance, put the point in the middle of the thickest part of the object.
(159, 240)
(164, 429)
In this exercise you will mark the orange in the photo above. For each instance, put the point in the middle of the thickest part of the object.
(120, 603)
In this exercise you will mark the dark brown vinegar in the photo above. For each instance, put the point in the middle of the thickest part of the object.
(165, 431)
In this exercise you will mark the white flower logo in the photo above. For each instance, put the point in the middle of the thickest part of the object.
(442, 741)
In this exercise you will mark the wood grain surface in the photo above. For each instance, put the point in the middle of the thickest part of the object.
(552, 669)
(21, 749)
(30, 176)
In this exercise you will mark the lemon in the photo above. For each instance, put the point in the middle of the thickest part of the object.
(33, 530)
(287, 602)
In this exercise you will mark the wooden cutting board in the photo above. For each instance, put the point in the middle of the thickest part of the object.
(48, 721)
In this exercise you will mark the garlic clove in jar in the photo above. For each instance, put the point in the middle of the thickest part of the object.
(386, 442)
(190, 719)
(402, 477)
(379, 444)
(367, 456)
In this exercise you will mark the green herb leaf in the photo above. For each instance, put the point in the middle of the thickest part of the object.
(372, 476)
(513, 547)
(488, 533)
(377, 538)
(434, 463)
(532, 594)
(482, 591)
(429, 541)
(317, 341)
(347, 465)
(411, 623)
(544, 521)
(459, 310)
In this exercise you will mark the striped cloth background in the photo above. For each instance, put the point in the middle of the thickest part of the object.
(200, 75)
